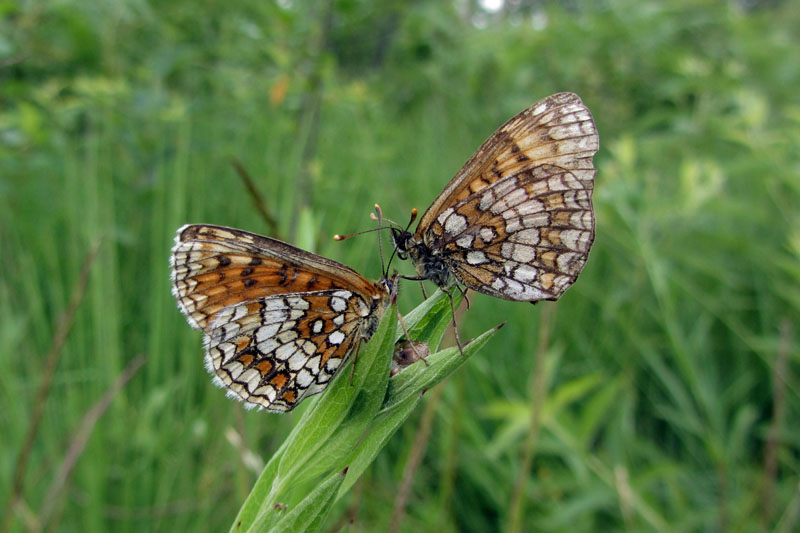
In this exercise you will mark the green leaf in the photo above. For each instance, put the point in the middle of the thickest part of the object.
(400, 401)
(429, 320)
(310, 439)
(310, 513)
(386, 423)
(419, 377)
(365, 406)
(350, 422)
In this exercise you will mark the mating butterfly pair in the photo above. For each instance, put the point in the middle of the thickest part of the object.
(516, 222)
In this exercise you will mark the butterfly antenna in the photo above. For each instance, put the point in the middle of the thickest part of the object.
(380, 240)
(339, 237)
(372, 216)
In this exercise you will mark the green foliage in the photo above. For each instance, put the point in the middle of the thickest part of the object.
(668, 386)
(346, 428)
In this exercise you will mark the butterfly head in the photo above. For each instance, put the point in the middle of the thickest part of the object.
(402, 241)
(387, 286)
(384, 296)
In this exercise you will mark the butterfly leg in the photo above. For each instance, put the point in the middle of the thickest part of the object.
(455, 325)
(408, 337)
(464, 293)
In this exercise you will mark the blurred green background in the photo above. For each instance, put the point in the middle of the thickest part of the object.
(665, 394)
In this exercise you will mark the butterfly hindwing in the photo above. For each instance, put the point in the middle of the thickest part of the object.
(274, 351)
(527, 238)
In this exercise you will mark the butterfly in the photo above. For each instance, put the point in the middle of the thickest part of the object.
(278, 321)
(516, 222)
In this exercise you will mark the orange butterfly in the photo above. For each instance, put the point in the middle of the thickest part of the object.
(278, 321)
(516, 222)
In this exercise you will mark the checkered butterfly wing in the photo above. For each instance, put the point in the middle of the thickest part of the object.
(278, 321)
(516, 222)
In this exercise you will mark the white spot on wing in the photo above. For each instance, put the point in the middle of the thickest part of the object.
(530, 207)
(455, 224)
(275, 315)
(343, 294)
(338, 304)
(476, 258)
(309, 347)
(297, 360)
(234, 369)
(336, 337)
(487, 234)
(230, 329)
(313, 364)
(266, 390)
(525, 273)
(523, 253)
(487, 199)
(541, 108)
(304, 378)
(285, 351)
(570, 238)
(527, 236)
(287, 336)
(443, 215)
(289, 324)
(565, 262)
(465, 241)
(268, 346)
(251, 377)
(272, 304)
(297, 302)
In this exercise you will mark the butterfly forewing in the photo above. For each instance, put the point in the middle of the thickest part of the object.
(558, 130)
(528, 237)
(516, 222)
(279, 321)
(214, 267)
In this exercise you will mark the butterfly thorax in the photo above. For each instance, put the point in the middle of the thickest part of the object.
(426, 256)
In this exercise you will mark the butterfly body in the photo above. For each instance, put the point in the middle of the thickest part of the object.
(427, 258)
(516, 222)
(278, 321)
